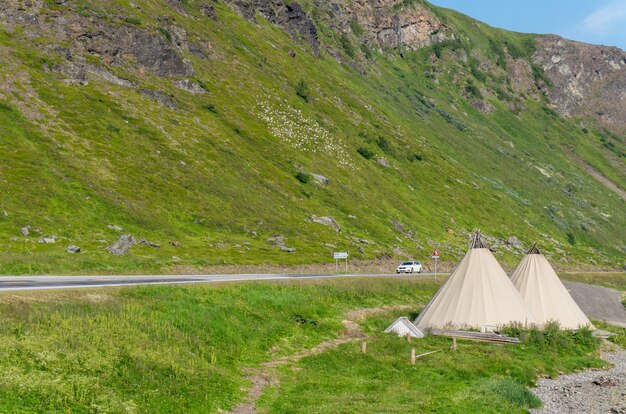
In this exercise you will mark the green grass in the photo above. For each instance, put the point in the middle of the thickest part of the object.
(165, 349)
(477, 377)
(215, 173)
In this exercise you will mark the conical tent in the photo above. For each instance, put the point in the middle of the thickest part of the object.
(478, 293)
(544, 293)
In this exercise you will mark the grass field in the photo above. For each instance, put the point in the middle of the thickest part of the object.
(172, 349)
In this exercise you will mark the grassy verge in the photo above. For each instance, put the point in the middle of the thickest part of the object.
(167, 349)
(477, 377)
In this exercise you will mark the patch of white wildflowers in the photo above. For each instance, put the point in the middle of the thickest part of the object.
(302, 133)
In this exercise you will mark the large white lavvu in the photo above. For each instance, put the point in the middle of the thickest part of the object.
(478, 293)
(544, 293)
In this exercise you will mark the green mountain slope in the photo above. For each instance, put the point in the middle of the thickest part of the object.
(186, 121)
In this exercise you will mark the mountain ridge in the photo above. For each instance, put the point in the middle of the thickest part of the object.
(204, 124)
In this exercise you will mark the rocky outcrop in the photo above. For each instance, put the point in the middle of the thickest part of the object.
(153, 50)
(586, 79)
(521, 75)
(287, 14)
(386, 23)
(161, 98)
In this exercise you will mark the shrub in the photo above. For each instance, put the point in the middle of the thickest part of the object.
(165, 33)
(347, 45)
(356, 28)
(570, 238)
(438, 49)
(302, 90)
(450, 119)
(415, 157)
(511, 391)
(303, 177)
(366, 153)
(540, 75)
(210, 107)
(133, 21)
(367, 51)
(473, 90)
(383, 144)
(477, 73)
(552, 336)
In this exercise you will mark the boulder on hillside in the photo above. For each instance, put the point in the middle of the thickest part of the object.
(115, 228)
(145, 242)
(189, 86)
(73, 249)
(320, 179)
(122, 245)
(48, 239)
(514, 241)
(326, 221)
(25, 231)
(277, 240)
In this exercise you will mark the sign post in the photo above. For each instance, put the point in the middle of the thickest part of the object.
(340, 255)
(435, 257)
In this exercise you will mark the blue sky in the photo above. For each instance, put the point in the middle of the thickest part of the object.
(592, 21)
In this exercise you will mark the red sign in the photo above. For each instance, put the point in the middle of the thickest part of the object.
(435, 253)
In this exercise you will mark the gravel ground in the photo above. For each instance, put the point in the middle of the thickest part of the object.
(586, 392)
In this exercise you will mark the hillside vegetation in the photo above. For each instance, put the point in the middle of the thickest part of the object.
(200, 123)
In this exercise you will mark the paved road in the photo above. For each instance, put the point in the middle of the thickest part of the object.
(11, 283)
(598, 302)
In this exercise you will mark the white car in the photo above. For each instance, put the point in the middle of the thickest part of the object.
(409, 267)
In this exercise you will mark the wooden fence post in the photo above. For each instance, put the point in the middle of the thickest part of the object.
(454, 346)
(364, 347)
(412, 356)
(408, 337)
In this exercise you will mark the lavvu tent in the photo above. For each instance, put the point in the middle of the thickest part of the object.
(477, 294)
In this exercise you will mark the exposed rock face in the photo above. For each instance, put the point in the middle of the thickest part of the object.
(114, 44)
(587, 79)
(288, 15)
(412, 27)
(160, 97)
(521, 75)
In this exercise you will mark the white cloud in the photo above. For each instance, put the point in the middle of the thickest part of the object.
(606, 20)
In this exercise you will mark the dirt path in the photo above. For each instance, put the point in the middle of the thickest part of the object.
(593, 391)
(266, 374)
(599, 176)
